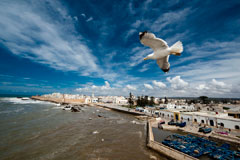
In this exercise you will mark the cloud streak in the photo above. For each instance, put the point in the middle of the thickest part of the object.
(35, 34)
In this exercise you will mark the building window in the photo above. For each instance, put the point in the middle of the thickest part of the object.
(188, 119)
(181, 118)
(221, 124)
(168, 115)
(211, 122)
(195, 120)
(171, 115)
(202, 121)
(163, 114)
(236, 127)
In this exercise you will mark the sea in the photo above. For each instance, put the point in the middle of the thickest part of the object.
(40, 130)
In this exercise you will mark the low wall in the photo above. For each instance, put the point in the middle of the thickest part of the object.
(165, 150)
(120, 109)
(59, 100)
(232, 140)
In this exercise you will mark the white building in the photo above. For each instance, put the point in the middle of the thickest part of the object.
(208, 118)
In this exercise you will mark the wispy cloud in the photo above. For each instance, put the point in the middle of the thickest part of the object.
(37, 35)
(89, 19)
(148, 86)
(169, 18)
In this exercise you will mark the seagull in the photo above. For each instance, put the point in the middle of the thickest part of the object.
(161, 49)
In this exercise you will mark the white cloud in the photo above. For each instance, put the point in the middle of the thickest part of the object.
(146, 66)
(83, 15)
(106, 89)
(218, 83)
(130, 87)
(75, 18)
(138, 55)
(159, 84)
(148, 86)
(215, 88)
(32, 31)
(89, 19)
(168, 18)
(202, 87)
(177, 83)
(129, 33)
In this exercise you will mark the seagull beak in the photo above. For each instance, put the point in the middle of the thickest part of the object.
(144, 58)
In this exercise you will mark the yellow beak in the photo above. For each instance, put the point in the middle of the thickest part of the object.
(145, 59)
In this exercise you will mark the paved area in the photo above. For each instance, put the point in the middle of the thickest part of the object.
(125, 109)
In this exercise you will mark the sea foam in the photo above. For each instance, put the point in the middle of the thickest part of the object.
(15, 100)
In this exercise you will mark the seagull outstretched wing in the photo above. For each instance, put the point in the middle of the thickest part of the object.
(164, 64)
(150, 40)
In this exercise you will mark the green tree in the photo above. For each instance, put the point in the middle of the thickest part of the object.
(151, 102)
(146, 101)
(130, 100)
(203, 99)
(139, 101)
(166, 100)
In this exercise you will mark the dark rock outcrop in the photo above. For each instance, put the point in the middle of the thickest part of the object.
(75, 109)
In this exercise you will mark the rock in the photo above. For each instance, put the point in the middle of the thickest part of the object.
(75, 109)
(90, 118)
(153, 157)
(99, 115)
(102, 140)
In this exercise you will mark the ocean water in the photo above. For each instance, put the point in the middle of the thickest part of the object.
(41, 130)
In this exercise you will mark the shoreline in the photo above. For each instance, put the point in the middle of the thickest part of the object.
(156, 146)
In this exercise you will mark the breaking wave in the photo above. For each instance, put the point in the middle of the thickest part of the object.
(15, 100)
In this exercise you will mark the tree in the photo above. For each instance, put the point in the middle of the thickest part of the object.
(146, 102)
(139, 101)
(130, 100)
(142, 102)
(166, 100)
(204, 99)
(151, 103)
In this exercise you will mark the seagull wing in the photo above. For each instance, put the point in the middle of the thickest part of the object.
(150, 40)
(164, 64)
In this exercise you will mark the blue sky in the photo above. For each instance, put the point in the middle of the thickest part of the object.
(91, 46)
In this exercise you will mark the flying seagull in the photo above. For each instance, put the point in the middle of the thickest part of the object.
(161, 50)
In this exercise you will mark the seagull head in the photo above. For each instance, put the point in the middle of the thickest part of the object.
(150, 56)
(141, 34)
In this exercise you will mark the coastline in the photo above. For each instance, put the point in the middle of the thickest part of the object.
(151, 121)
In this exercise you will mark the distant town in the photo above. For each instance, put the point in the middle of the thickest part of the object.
(224, 113)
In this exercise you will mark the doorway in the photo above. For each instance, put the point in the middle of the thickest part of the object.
(211, 122)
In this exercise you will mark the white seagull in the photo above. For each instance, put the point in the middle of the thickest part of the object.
(161, 50)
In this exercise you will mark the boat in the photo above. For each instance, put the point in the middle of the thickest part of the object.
(161, 122)
(196, 147)
(171, 122)
(181, 124)
(205, 130)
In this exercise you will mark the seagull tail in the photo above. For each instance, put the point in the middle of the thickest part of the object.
(177, 48)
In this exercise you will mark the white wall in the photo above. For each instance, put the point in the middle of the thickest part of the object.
(228, 123)
(166, 113)
(185, 117)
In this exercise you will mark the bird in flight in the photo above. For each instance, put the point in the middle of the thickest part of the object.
(161, 49)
